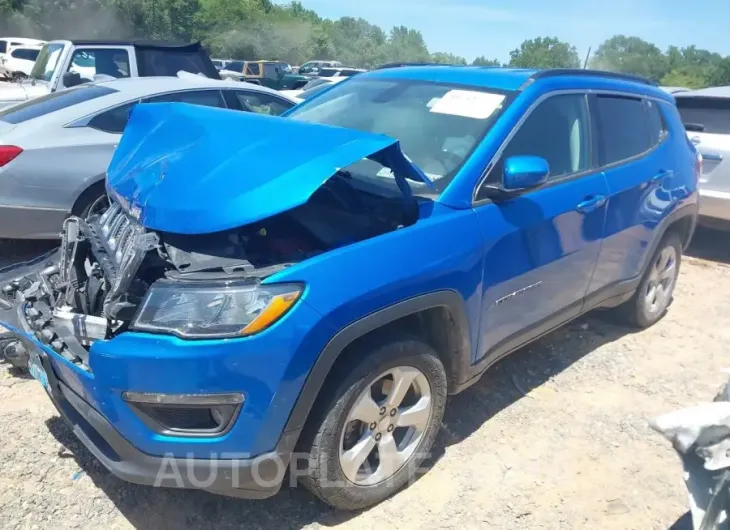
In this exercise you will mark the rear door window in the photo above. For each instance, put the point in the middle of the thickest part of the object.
(623, 128)
(705, 114)
(206, 98)
(261, 103)
(53, 102)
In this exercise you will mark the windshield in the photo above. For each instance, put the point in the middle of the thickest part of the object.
(47, 61)
(438, 125)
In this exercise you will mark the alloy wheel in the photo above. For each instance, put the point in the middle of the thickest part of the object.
(385, 425)
(662, 277)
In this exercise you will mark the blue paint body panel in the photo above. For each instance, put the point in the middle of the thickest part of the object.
(514, 263)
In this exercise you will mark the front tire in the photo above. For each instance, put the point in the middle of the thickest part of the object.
(367, 440)
(655, 292)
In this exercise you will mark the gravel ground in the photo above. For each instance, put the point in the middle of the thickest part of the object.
(555, 436)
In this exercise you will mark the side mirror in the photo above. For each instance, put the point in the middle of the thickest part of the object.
(71, 79)
(524, 172)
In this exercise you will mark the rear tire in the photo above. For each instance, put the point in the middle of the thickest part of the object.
(366, 441)
(655, 291)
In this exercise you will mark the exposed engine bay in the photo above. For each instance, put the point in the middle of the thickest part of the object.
(109, 261)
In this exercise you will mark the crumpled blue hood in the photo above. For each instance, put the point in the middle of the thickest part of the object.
(195, 170)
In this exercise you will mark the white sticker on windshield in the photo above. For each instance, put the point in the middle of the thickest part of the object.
(468, 103)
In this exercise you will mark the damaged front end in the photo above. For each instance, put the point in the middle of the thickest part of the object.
(189, 239)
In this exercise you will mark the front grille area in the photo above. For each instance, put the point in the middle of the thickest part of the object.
(120, 245)
(118, 234)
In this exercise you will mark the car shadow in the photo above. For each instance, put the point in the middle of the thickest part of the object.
(148, 508)
(526, 369)
(709, 244)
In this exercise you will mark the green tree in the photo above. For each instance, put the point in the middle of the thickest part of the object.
(631, 55)
(483, 61)
(406, 45)
(447, 58)
(720, 74)
(544, 52)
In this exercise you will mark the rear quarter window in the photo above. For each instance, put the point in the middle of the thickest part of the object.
(3, 46)
(44, 105)
(712, 115)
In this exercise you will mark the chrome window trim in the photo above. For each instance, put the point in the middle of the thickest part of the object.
(564, 92)
(84, 121)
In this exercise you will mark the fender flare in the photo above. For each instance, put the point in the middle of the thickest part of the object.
(687, 211)
(460, 360)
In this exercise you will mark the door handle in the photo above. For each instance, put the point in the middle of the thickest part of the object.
(591, 203)
(695, 140)
(715, 157)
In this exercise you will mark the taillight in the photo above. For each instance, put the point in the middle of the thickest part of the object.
(8, 153)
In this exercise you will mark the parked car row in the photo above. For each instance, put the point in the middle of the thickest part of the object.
(307, 290)
(63, 64)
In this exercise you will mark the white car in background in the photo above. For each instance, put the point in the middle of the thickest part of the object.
(706, 116)
(55, 149)
(8, 43)
(19, 61)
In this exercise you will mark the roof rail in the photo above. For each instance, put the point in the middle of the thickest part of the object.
(557, 72)
(400, 65)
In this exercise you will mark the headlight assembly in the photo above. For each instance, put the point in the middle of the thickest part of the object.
(197, 310)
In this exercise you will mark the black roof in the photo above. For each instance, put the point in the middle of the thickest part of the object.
(139, 43)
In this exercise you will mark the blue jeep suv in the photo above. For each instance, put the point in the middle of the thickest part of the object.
(302, 294)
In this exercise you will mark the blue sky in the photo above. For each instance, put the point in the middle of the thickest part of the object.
(494, 27)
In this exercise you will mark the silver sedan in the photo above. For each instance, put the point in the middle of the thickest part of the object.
(55, 149)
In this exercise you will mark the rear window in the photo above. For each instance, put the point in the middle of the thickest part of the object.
(624, 131)
(235, 66)
(53, 102)
(28, 54)
(252, 69)
(328, 72)
(712, 114)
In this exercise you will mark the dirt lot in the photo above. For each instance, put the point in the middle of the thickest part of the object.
(555, 436)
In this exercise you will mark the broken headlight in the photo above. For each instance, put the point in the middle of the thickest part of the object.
(214, 310)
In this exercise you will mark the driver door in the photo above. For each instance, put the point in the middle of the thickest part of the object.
(541, 245)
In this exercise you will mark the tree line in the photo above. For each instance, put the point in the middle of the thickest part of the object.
(260, 29)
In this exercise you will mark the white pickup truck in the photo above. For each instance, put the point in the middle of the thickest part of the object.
(63, 64)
